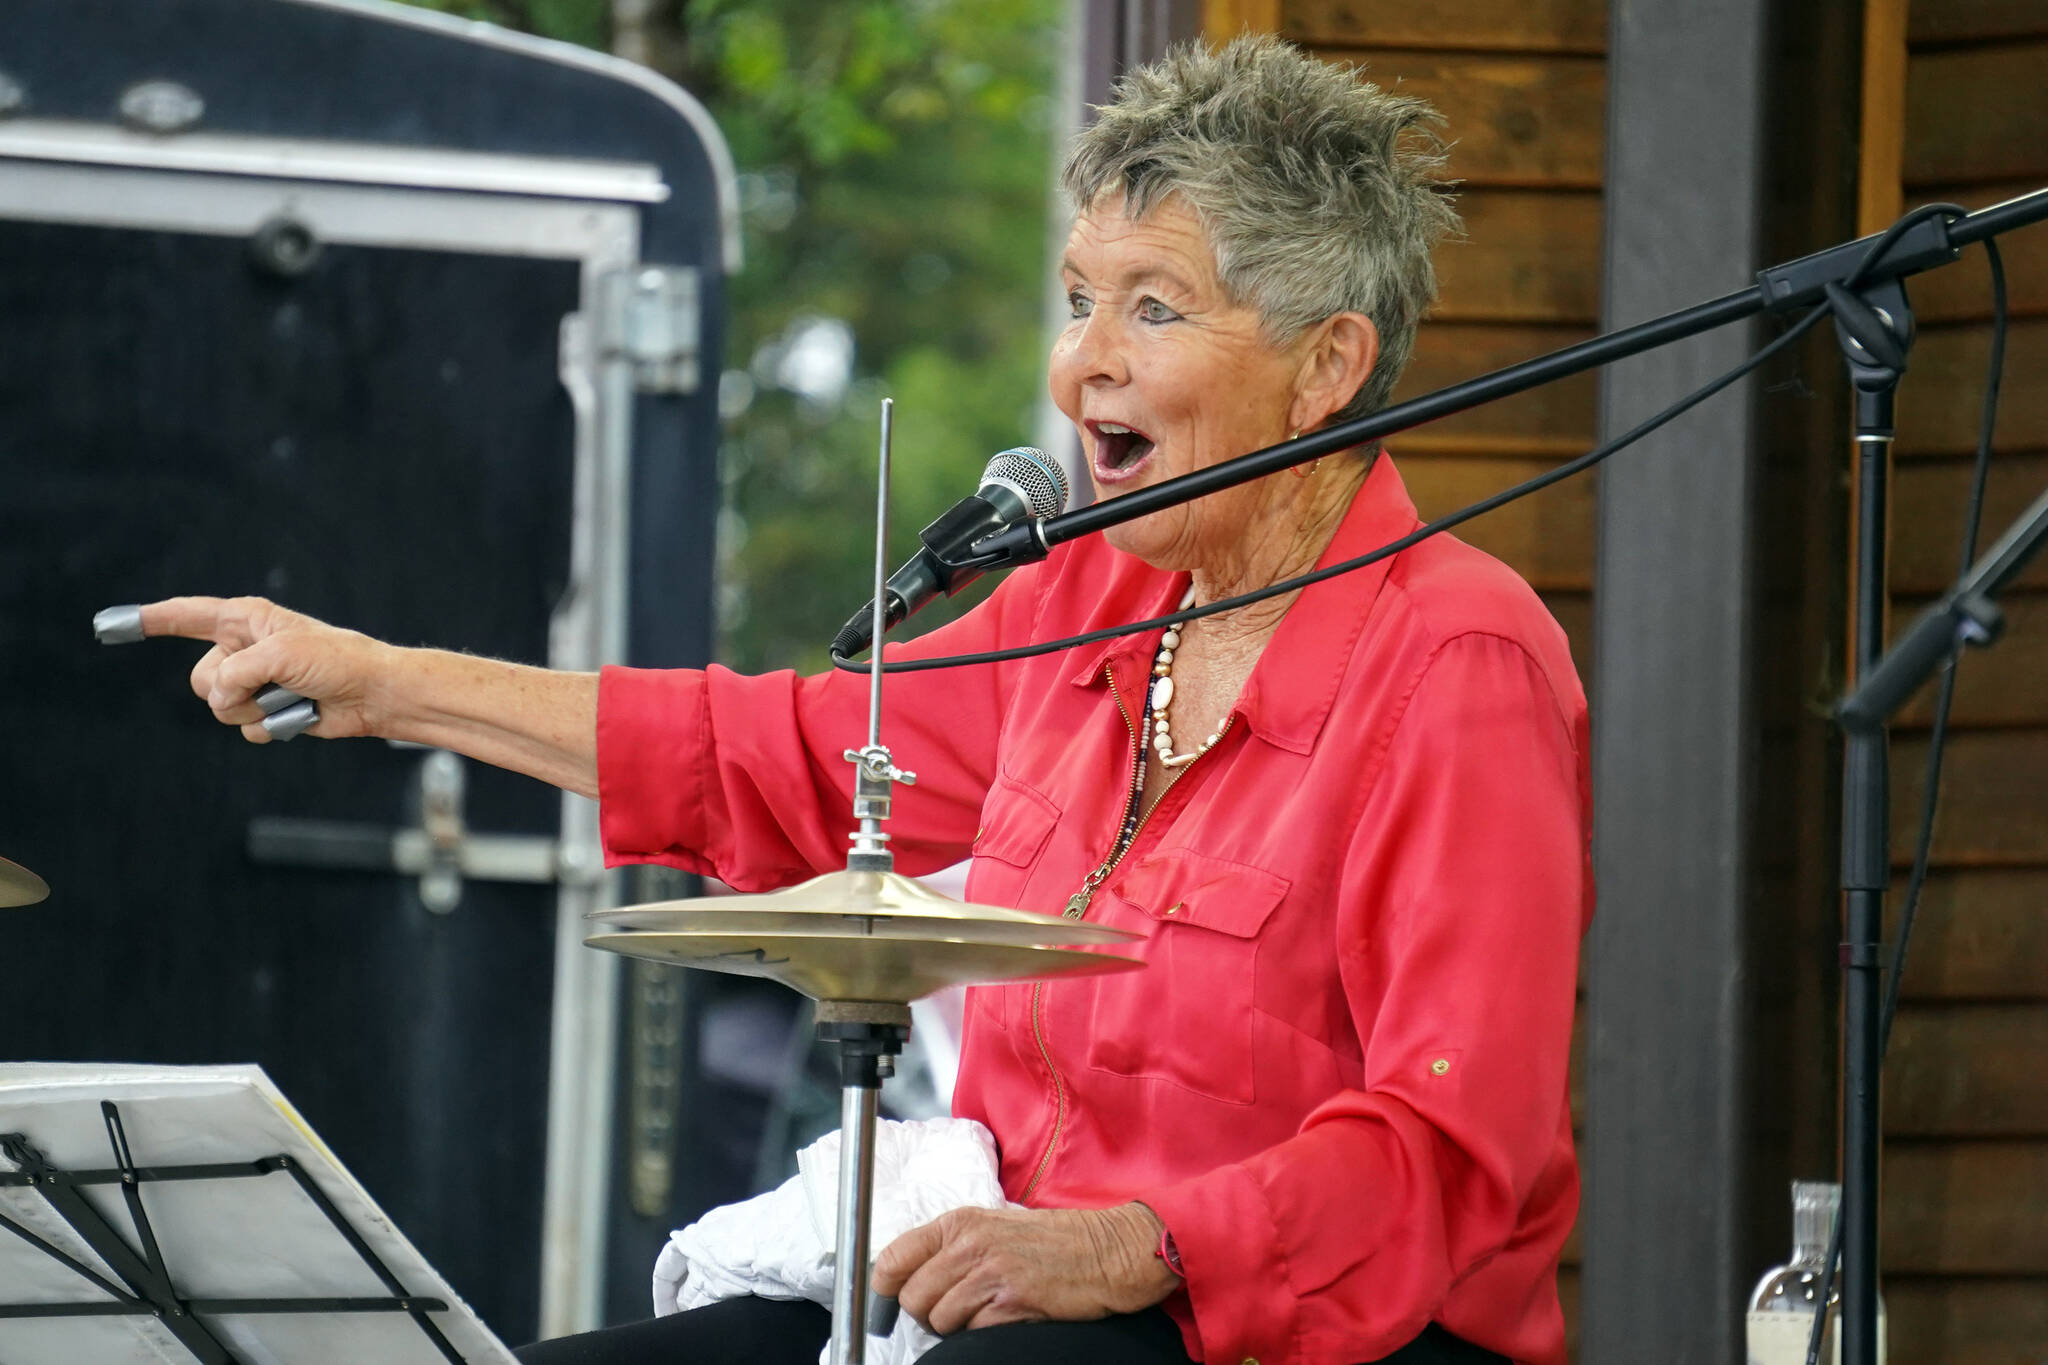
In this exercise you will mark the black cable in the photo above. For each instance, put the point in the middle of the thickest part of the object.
(1973, 514)
(1441, 524)
(1924, 844)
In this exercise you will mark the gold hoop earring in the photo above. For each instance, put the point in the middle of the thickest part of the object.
(1298, 471)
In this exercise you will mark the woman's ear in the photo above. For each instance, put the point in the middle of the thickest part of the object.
(1342, 351)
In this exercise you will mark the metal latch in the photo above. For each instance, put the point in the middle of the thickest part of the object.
(649, 316)
(441, 850)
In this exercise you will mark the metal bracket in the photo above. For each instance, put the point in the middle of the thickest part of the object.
(441, 850)
(649, 316)
(877, 770)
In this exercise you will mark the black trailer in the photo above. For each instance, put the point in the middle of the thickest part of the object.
(412, 324)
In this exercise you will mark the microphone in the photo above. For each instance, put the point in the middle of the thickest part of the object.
(1019, 485)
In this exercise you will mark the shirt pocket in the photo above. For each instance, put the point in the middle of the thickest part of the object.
(1016, 822)
(1187, 1019)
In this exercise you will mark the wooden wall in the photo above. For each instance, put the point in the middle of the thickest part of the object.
(1965, 1225)
(1522, 86)
(1955, 107)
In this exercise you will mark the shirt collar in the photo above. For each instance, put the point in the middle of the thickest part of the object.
(1290, 692)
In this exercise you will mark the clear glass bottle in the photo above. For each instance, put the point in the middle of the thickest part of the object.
(1781, 1309)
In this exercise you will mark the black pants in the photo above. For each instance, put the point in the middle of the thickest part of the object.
(769, 1332)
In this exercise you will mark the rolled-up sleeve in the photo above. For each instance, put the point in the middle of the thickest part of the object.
(746, 778)
(1462, 902)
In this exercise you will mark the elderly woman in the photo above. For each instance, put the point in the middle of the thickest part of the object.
(1329, 1124)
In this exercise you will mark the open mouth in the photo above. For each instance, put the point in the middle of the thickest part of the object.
(1118, 449)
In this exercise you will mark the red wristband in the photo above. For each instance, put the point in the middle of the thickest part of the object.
(1169, 1253)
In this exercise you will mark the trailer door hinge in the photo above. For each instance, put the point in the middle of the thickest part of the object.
(441, 850)
(649, 317)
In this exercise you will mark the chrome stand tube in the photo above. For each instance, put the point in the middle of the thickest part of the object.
(858, 1105)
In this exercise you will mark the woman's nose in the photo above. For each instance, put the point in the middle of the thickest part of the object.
(1093, 353)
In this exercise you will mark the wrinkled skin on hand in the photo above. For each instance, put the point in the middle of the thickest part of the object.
(255, 643)
(984, 1267)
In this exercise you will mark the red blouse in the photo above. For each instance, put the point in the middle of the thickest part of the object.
(1341, 1080)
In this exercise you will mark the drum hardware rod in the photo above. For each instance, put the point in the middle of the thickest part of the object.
(868, 1035)
(876, 769)
(881, 563)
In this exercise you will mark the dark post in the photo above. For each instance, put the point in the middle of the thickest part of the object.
(1669, 993)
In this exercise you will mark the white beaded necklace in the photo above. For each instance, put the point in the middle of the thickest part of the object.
(1162, 697)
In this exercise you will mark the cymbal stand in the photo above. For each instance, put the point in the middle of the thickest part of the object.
(869, 1033)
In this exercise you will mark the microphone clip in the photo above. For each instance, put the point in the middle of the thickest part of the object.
(962, 542)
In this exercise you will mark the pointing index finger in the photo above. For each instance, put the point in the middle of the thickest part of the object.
(193, 618)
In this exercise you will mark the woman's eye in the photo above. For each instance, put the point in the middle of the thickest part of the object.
(1152, 310)
(1079, 305)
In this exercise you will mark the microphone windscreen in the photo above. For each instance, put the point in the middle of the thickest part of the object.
(1034, 476)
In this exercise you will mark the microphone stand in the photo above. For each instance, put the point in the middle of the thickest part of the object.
(1874, 327)
(1780, 289)
(1875, 331)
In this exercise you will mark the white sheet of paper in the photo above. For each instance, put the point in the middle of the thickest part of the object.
(246, 1238)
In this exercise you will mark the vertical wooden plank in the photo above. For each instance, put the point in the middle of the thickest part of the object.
(1223, 20)
(1878, 190)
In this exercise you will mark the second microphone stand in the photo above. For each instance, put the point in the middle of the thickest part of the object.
(1875, 330)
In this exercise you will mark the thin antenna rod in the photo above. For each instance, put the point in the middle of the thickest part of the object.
(881, 573)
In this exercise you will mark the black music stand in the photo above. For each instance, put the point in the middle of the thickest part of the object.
(234, 1238)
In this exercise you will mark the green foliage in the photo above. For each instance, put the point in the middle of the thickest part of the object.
(896, 157)
(895, 160)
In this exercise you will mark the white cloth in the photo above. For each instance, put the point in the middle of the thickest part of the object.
(779, 1245)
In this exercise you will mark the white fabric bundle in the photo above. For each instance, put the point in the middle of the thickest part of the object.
(779, 1245)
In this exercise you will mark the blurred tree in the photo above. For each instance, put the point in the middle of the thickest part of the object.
(894, 160)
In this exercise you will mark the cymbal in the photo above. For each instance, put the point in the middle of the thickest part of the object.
(885, 901)
(708, 917)
(881, 966)
(19, 886)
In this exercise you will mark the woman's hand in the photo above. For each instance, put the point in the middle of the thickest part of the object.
(256, 643)
(982, 1267)
(536, 721)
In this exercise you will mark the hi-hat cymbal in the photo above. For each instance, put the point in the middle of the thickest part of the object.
(881, 966)
(19, 886)
(709, 916)
(884, 901)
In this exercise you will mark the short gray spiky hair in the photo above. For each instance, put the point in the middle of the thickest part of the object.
(1319, 191)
